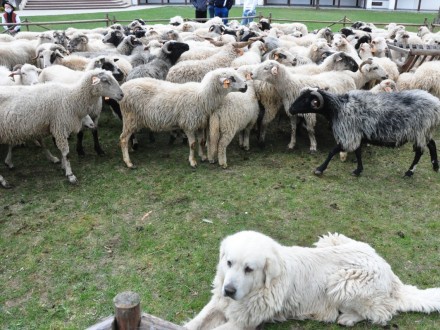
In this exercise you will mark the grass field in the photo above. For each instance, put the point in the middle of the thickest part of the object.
(66, 250)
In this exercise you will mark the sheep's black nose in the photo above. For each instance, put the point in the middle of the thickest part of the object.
(243, 90)
(230, 291)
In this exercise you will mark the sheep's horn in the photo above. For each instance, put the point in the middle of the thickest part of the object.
(367, 61)
(320, 99)
(241, 44)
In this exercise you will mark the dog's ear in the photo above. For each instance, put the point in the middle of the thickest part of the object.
(272, 269)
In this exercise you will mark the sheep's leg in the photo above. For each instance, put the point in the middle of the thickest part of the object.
(310, 126)
(292, 142)
(225, 140)
(124, 140)
(200, 134)
(192, 146)
(245, 138)
(47, 153)
(8, 159)
(213, 138)
(4, 183)
(433, 153)
(79, 143)
(319, 170)
(63, 146)
(418, 153)
(96, 143)
(360, 167)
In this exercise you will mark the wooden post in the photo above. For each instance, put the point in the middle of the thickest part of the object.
(127, 310)
(270, 18)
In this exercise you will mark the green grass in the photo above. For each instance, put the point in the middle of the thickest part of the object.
(278, 13)
(66, 250)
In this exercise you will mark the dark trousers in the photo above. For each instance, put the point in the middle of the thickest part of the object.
(201, 14)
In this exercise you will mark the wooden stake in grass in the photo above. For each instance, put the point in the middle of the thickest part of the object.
(127, 310)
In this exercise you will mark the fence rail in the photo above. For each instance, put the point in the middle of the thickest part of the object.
(109, 21)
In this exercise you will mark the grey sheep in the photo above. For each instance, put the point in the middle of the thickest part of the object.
(164, 106)
(159, 66)
(386, 119)
(52, 109)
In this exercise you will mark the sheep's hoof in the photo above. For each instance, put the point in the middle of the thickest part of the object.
(408, 174)
(132, 167)
(193, 165)
(72, 179)
(10, 166)
(203, 159)
(312, 151)
(435, 166)
(356, 172)
(224, 166)
(211, 161)
(56, 160)
(6, 185)
(318, 172)
(262, 144)
(100, 152)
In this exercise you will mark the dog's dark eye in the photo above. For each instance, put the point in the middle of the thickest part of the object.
(248, 270)
(229, 263)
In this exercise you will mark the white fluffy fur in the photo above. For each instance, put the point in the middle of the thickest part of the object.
(340, 280)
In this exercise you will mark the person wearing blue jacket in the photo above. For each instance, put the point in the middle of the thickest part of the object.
(221, 9)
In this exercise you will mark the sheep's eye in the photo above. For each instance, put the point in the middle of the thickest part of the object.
(315, 103)
(248, 270)
(229, 263)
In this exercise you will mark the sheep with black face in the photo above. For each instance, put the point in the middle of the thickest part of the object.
(387, 119)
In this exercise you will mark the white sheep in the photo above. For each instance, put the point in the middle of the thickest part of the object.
(252, 56)
(314, 51)
(164, 106)
(55, 109)
(237, 114)
(426, 77)
(16, 52)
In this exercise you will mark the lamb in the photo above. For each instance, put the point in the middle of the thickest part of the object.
(387, 119)
(379, 47)
(163, 106)
(237, 114)
(314, 51)
(195, 70)
(341, 44)
(391, 68)
(158, 67)
(55, 109)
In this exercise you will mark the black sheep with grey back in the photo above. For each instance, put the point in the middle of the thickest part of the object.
(386, 119)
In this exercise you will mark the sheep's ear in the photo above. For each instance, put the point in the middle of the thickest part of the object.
(226, 82)
(315, 48)
(95, 80)
(338, 58)
(274, 70)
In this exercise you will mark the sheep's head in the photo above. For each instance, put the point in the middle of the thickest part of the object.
(173, 50)
(342, 61)
(269, 70)
(311, 100)
(372, 71)
(77, 43)
(229, 80)
(102, 83)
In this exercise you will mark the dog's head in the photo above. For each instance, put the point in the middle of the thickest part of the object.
(249, 262)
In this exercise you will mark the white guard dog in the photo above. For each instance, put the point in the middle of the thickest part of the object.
(341, 280)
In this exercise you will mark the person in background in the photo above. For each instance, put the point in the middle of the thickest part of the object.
(221, 9)
(9, 16)
(201, 9)
(249, 9)
(211, 8)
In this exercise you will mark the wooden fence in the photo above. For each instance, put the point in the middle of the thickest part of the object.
(107, 21)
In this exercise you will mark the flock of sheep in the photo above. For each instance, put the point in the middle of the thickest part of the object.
(213, 82)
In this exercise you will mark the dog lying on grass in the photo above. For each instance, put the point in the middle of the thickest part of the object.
(340, 280)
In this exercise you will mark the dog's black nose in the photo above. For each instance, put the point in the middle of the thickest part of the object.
(230, 291)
